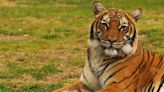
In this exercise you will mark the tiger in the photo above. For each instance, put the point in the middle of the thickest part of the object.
(116, 61)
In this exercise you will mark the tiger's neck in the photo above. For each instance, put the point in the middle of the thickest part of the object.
(97, 59)
(98, 64)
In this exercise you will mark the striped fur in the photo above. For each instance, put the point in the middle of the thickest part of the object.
(116, 62)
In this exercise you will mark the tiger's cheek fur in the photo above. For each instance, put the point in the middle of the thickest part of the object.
(127, 49)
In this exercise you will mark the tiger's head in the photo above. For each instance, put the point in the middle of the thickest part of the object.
(114, 30)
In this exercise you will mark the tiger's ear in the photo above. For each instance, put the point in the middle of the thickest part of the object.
(137, 14)
(97, 7)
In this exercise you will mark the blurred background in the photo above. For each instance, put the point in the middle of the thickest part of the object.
(43, 42)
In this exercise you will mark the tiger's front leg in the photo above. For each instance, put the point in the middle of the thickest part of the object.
(75, 87)
(113, 88)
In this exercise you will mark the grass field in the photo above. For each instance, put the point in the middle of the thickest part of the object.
(43, 42)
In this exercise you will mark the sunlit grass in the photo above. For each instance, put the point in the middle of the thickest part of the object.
(154, 40)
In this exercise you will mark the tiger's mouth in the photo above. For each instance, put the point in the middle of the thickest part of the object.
(108, 45)
(112, 46)
(117, 49)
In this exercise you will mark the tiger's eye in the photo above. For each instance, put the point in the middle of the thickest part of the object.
(104, 24)
(123, 24)
(123, 27)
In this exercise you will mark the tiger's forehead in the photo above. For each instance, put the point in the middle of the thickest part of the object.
(121, 19)
(114, 14)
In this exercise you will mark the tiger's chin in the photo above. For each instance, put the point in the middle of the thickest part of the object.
(119, 52)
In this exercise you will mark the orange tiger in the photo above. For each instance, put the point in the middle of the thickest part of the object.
(116, 62)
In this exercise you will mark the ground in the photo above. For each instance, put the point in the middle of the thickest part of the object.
(43, 42)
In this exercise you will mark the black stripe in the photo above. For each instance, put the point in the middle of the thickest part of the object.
(148, 53)
(114, 73)
(152, 89)
(91, 68)
(142, 68)
(84, 77)
(102, 71)
(150, 86)
(160, 62)
(89, 62)
(152, 59)
(130, 31)
(144, 65)
(134, 35)
(151, 81)
(88, 54)
(106, 64)
(97, 37)
(91, 33)
(134, 79)
(96, 34)
(162, 82)
(78, 90)
(129, 38)
(133, 38)
(132, 28)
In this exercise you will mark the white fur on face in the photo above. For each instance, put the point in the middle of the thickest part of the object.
(111, 52)
(93, 43)
(127, 49)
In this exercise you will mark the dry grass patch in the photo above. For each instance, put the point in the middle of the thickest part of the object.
(65, 5)
(7, 3)
(16, 38)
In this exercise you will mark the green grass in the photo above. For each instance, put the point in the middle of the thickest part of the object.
(154, 40)
(154, 36)
(17, 70)
(32, 88)
(43, 42)
(5, 88)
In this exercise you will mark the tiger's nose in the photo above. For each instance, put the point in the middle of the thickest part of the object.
(112, 39)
